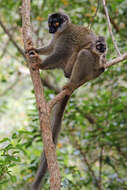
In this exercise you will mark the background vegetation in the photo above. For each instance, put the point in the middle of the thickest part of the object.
(92, 147)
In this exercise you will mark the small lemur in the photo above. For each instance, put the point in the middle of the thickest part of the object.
(75, 49)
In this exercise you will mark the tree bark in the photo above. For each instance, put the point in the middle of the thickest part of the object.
(56, 127)
(49, 147)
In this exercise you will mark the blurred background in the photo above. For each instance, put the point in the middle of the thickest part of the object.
(92, 147)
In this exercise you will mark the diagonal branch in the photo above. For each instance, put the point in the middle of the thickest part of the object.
(11, 38)
(110, 28)
(63, 93)
(49, 146)
(116, 60)
(5, 48)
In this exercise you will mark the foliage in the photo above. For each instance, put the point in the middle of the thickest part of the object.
(92, 147)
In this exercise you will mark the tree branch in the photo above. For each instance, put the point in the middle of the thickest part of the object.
(49, 147)
(5, 48)
(63, 93)
(115, 25)
(116, 60)
(110, 28)
(11, 39)
(58, 113)
(56, 128)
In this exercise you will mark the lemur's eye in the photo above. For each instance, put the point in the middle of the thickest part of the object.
(57, 23)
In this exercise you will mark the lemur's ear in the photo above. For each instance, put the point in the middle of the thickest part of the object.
(64, 16)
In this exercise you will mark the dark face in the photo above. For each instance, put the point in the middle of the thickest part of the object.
(101, 45)
(55, 21)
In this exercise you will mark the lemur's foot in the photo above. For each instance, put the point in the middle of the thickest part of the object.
(31, 53)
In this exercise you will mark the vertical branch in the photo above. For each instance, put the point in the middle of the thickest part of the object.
(110, 28)
(56, 127)
(49, 147)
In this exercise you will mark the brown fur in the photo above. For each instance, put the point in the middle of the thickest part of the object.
(73, 49)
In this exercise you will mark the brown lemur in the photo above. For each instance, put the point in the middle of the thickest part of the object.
(81, 54)
(73, 48)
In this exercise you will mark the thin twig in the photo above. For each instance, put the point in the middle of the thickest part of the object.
(63, 93)
(40, 22)
(116, 27)
(49, 147)
(110, 28)
(116, 60)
